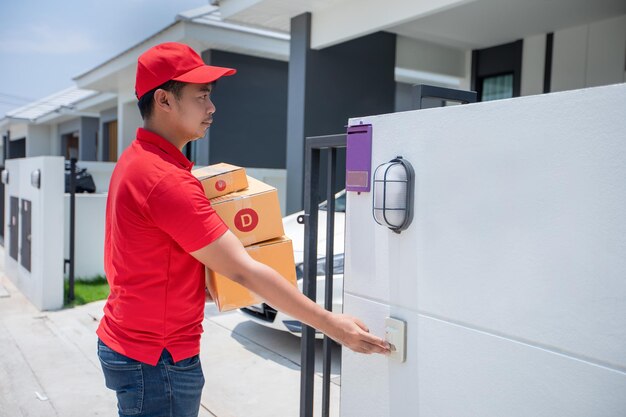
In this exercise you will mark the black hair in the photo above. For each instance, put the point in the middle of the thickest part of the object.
(146, 102)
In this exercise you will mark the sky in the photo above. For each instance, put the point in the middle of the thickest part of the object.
(45, 43)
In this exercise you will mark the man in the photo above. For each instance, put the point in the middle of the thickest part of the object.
(160, 234)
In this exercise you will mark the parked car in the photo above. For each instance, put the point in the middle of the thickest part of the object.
(266, 315)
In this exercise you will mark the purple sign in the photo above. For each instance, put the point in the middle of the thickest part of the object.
(359, 158)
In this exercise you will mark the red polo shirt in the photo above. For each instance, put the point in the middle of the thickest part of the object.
(156, 214)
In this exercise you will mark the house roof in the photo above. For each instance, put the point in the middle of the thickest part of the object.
(202, 28)
(66, 101)
(57, 102)
(211, 16)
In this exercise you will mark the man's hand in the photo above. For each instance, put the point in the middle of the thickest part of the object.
(354, 334)
(227, 256)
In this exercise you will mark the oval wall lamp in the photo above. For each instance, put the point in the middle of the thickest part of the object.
(392, 201)
(35, 178)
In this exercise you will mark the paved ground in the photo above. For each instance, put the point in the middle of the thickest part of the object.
(49, 367)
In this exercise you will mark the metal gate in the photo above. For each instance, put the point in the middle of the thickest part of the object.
(424, 96)
(315, 147)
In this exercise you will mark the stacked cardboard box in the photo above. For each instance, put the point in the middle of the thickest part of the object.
(251, 210)
(221, 179)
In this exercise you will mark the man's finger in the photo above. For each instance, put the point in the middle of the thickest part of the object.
(375, 340)
(361, 325)
(372, 348)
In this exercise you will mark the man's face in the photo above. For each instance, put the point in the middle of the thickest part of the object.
(193, 110)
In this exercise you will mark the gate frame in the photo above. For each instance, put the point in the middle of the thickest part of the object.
(312, 159)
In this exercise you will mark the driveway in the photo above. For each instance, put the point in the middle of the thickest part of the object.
(253, 371)
(49, 366)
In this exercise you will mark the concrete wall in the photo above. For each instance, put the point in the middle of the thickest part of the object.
(89, 138)
(589, 55)
(38, 141)
(43, 284)
(50, 237)
(55, 141)
(533, 65)
(420, 62)
(90, 220)
(101, 173)
(251, 118)
(69, 126)
(18, 130)
(89, 246)
(583, 56)
(511, 276)
(128, 120)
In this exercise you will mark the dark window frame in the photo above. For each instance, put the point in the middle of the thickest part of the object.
(497, 60)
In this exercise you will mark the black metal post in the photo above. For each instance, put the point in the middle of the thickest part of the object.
(329, 271)
(72, 225)
(311, 191)
(312, 161)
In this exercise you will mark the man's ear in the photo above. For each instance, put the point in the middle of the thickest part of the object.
(162, 100)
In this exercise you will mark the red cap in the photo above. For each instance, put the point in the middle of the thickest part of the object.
(173, 61)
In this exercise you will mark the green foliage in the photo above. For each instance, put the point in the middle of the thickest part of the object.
(86, 291)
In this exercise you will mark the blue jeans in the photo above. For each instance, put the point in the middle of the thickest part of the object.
(168, 389)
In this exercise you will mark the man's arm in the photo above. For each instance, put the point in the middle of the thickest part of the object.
(227, 256)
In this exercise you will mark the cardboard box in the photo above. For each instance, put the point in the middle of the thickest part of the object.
(253, 214)
(221, 179)
(275, 253)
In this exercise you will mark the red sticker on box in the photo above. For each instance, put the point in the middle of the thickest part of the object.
(220, 185)
(246, 220)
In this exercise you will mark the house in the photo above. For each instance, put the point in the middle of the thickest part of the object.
(97, 119)
(305, 68)
(250, 126)
(352, 58)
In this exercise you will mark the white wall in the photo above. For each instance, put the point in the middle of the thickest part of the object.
(533, 65)
(128, 120)
(18, 130)
(43, 285)
(352, 18)
(419, 62)
(50, 227)
(38, 142)
(55, 141)
(90, 220)
(511, 276)
(89, 243)
(589, 55)
(101, 173)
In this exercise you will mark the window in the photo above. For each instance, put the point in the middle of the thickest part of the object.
(497, 71)
(497, 87)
